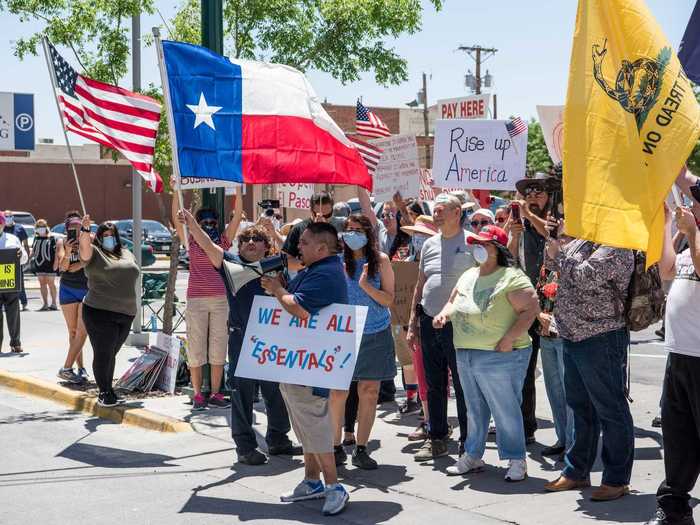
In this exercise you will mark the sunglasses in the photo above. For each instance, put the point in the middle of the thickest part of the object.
(537, 192)
(500, 220)
(388, 215)
(209, 223)
(476, 224)
(248, 238)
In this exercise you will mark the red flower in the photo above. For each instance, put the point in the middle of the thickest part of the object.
(549, 290)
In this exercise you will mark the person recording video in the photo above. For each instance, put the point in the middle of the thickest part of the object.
(253, 245)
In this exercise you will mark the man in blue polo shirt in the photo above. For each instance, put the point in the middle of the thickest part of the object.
(253, 245)
(320, 284)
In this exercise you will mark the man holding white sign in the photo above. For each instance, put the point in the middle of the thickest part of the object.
(479, 154)
(320, 284)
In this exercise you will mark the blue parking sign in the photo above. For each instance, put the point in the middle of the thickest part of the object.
(16, 121)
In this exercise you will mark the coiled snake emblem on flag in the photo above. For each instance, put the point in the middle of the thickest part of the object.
(638, 83)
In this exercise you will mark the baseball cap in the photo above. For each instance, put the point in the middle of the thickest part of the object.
(489, 233)
(446, 198)
(485, 212)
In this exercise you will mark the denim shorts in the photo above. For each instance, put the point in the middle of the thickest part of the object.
(68, 295)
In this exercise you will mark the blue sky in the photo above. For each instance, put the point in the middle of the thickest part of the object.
(533, 39)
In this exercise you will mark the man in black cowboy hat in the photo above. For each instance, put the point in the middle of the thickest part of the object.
(526, 244)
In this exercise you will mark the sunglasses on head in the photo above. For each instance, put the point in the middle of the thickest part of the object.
(256, 238)
(476, 224)
(534, 190)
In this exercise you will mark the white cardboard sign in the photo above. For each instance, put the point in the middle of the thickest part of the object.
(475, 106)
(552, 122)
(478, 154)
(398, 168)
(320, 351)
(198, 183)
(297, 196)
(168, 374)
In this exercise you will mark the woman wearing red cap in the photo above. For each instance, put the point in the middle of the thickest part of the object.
(491, 308)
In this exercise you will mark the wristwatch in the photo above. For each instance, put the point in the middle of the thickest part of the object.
(83, 229)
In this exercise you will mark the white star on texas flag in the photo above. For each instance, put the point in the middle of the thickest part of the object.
(203, 112)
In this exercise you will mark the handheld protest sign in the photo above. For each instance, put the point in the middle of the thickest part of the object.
(398, 169)
(9, 271)
(478, 154)
(320, 351)
(405, 278)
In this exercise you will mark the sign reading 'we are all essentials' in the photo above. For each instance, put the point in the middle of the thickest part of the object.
(320, 351)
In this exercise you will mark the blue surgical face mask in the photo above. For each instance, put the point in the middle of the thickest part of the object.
(355, 240)
(417, 241)
(109, 243)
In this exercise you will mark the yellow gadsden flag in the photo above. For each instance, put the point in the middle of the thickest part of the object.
(630, 122)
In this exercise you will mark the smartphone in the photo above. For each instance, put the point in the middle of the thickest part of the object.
(515, 211)
(72, 234)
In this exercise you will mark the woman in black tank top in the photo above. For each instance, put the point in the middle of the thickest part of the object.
(72, 289)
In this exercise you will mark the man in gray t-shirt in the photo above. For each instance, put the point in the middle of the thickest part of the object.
(444, 258)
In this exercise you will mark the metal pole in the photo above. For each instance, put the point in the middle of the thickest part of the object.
(136, 209)
(52, 74)
(425, 122)
(212, 30)
(171, 125)
(495, 107)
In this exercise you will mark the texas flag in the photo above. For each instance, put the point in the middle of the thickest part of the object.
(253, 122)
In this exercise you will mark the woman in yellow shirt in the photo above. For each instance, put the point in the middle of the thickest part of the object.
(491, 308)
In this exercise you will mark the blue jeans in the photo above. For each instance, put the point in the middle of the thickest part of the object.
(552, 352)
(594, 375)
(493, 384)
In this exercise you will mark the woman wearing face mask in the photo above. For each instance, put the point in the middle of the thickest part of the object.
(110, 304)
(45, 264)
(491, 308)
(370, 281)
(207, 307)
(71, 291)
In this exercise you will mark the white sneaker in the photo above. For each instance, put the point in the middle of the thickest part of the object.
(465, 464)
(517, 470)
(307, 489)
(336, 499)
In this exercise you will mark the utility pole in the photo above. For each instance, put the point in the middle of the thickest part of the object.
(428, 164)
(136, 183)
(212, 30)
(480, 55)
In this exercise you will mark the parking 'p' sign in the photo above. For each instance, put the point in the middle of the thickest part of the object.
(9, 271)
(16, 121)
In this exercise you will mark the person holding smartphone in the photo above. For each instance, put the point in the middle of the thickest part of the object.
(71, 291)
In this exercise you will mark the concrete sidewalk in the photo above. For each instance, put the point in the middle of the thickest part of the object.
(484, 495)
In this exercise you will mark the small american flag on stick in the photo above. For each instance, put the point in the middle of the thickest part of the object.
(370, 154)
(109, 115)
(369, 124)
(515, 127)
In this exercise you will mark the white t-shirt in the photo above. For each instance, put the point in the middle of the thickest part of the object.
(682, 307)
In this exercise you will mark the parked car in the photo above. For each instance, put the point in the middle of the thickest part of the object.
(24, 218)
(147, 256)
(154, 233)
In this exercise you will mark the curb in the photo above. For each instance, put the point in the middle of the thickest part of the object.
(82, 402)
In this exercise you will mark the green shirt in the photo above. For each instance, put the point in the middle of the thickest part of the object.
(112, 282)
(481, 312)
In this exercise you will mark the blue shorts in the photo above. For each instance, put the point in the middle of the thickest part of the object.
(68, 295)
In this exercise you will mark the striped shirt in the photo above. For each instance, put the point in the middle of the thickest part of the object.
(205, 280)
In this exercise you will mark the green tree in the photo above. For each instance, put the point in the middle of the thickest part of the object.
(537, 155)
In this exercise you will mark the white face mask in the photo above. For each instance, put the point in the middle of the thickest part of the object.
(480, 254)
(42, 231)
(418, 241)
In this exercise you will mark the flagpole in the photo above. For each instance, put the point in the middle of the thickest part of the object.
(171, 125)
(52, 74)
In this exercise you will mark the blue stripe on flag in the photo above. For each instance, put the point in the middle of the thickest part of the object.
(195, 72)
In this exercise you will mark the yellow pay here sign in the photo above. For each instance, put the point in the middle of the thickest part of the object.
(9, 271)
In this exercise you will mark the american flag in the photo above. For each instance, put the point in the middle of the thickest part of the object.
(369, 124)
(370, 154)
(109, 115)
(515, 127)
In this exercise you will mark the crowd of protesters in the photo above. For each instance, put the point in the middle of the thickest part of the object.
(498, 287)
